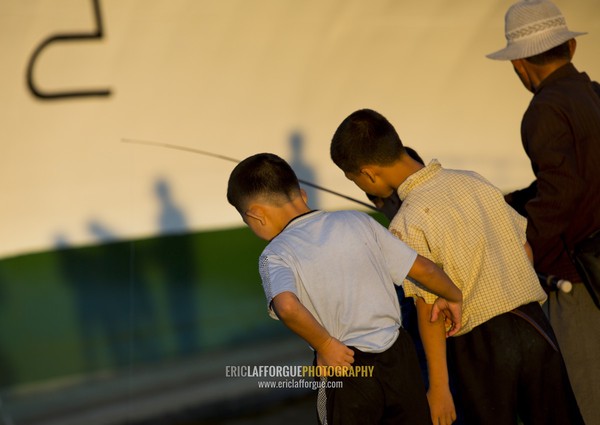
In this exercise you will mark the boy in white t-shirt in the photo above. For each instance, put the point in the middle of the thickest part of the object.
(329, 276)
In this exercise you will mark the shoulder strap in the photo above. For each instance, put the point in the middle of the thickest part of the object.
(523, 315)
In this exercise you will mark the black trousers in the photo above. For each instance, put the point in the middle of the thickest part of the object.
(395, 394)
(506, 369)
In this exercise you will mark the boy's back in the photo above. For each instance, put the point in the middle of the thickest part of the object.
(458, 219)
(342, 266)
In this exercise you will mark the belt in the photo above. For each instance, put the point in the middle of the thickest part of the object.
(537, 327)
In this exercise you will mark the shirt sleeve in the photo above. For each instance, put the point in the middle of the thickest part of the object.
(549, 143)
(398, 256)
(416, 239)
(277, 277)
(520, 223)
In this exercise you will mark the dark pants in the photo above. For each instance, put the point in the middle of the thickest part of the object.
(408, 311)
(505, 369)
(395, 394)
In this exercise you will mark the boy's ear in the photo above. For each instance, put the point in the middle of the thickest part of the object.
(304, 195)
(257, 213)
(369, 172)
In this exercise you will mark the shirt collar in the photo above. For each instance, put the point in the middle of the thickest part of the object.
(567, 70)
(300, 218)
(296, 220)
(419, 178)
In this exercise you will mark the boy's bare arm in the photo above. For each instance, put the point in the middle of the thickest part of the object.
(438, 282)
(433, 336)
(330, 351)
(529, 252)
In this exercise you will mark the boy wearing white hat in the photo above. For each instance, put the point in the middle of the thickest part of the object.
(560, 132)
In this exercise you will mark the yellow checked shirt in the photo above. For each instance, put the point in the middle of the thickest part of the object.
(460, 221)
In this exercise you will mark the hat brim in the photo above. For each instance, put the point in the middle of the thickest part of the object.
(534, 46)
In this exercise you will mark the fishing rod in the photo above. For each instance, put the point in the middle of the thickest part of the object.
(227, 158)
(549, 281)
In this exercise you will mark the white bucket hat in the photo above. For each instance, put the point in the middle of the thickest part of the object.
(533, 27)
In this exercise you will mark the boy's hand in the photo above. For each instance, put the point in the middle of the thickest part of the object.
(452, 312)
(441, 406)
(333, 353)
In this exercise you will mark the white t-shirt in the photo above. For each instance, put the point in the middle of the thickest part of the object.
(342, 266)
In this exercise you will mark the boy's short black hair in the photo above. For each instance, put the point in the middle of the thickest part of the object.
(365, 137)
(263, 175)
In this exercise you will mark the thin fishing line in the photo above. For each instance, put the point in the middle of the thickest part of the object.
(227, 158)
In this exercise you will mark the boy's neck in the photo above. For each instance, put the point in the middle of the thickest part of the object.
(401, 170)
(289, 211)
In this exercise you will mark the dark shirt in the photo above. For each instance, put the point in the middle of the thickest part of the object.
(561, 135)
